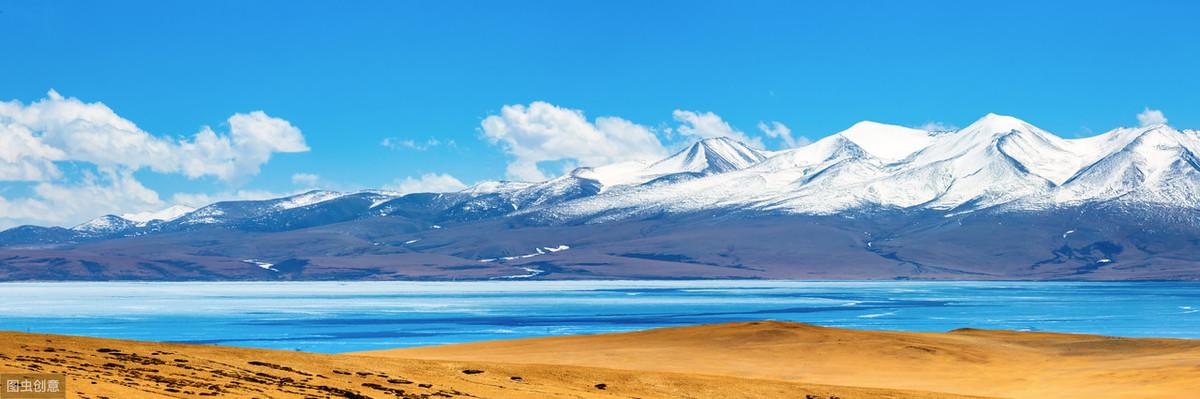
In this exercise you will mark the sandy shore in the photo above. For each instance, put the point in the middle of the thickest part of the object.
(754, 360)
(969, 362)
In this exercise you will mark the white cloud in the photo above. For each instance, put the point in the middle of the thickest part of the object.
(777, 130)
(23, 156)
(933, 126)
(427, 183)
(706, 125)
(69, 204)
(305, 179)
(543, 132)
(66, 129)
(1150, 117)
(36, 138)
(397, 143)
(197, 200)
(251, 141)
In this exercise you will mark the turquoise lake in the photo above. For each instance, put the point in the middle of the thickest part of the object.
(352, 316)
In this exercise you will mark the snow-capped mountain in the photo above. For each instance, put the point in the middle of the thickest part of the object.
(887, 142)
(708, 157)
(105, 225)
(227, 211)
(703, 158)
(1010, 198)
(1156, 164)
(997, 162)
(488, 199)
(164, 215)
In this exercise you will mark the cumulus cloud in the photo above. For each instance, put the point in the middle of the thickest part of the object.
(24, 157)
(427, 183)
(1150, 117)
(777, 130)
(305, 179)
(36, 139)
(197, 200)
(57, 128)
(542, 132)
(704, 125)
(68, 204)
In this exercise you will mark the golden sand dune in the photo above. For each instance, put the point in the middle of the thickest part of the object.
(116, 369)
(969, 362)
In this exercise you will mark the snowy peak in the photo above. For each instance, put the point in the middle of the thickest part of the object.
(230, 211)
(710, 156)
(887, 142)
(827, 150)
(988, 131)
(999, 140)
(706, 157)
(1156, 164)
(1160, 145)
(995, 123)
(104, 225)
(494, 186)
(165, 215)
(306, 199)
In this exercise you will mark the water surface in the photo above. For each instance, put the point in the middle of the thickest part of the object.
(352, 316)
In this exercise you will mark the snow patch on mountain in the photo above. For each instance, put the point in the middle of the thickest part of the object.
(887, 142)
(536, 252)
(210, 214)
(166, 215)
(306, 199)
(261, 264)
(530, 272)
(107, 224)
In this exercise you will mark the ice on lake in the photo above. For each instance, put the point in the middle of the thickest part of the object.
(352, 316)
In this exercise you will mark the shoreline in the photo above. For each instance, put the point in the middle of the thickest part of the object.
(651, 280)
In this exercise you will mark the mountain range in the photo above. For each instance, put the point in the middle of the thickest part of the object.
(999, 199)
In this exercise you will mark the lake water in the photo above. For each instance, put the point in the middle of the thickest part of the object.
(352, 316)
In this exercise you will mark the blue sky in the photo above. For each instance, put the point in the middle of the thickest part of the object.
(350, 75)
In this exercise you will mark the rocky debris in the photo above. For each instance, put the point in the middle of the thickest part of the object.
(601, 386)
(197, 377)
(278, 367)
(380, 387)
(472, 371)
